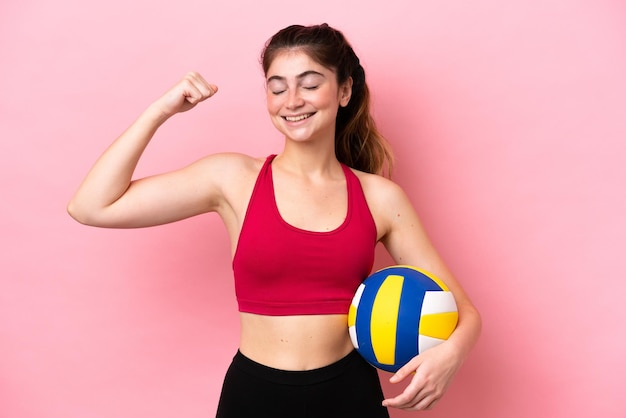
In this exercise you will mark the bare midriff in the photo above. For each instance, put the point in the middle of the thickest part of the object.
(300, 342)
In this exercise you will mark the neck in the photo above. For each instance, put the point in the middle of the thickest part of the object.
(309, 158)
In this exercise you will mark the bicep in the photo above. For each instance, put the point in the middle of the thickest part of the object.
(405, 237)
(165, 198)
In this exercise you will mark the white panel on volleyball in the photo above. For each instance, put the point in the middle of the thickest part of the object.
(424, 342)
(355, 342)
(437, 301)
(357, 295)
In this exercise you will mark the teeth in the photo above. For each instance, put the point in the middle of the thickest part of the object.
(297, 118)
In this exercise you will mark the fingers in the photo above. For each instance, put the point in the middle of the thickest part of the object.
(186, 94)
(413, 399)
(205, 89)
(196, 88)
(405, 371)
(422, 393)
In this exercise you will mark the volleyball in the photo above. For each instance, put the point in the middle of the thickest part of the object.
(399, 312)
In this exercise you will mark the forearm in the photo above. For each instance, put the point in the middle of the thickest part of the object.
(467, 331)
(112, 173)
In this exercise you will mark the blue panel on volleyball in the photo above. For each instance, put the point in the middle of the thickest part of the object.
(409, 314)
(363, 319)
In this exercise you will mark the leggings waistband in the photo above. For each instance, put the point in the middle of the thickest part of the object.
(296, 377)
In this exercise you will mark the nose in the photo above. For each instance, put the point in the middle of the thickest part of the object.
(294, 100)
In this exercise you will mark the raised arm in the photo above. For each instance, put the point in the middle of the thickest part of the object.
(109, 197)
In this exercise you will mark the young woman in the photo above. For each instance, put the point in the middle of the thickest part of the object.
(318, 208)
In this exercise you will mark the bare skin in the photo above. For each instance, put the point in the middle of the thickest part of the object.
(302, 100)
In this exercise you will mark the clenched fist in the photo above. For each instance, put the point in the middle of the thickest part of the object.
(185, 94)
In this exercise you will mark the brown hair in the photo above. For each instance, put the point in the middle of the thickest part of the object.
(358, 144)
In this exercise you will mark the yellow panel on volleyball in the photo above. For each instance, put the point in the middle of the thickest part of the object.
(438, 325)
(439, 315)
(354, 305)
(352, 316)
(385, 319)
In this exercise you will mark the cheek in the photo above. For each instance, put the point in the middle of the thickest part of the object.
(329, 98)
(272, 103)
(328, 103)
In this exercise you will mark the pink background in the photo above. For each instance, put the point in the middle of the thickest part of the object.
(509, 123)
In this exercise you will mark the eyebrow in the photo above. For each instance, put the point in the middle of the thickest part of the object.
(299, 76)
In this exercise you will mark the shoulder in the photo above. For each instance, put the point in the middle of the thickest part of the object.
(387, 201)
(379, 189)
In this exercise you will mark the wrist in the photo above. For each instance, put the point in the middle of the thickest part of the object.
(154, 114)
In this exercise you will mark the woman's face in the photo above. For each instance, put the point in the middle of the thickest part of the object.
(303, 96)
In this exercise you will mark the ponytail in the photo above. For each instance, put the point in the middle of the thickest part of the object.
(358, 143)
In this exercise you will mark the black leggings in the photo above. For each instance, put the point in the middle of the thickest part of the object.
(349, 388)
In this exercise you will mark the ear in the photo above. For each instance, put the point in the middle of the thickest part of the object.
(345, 92)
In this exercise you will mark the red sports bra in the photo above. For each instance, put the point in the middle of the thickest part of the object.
(283, 270)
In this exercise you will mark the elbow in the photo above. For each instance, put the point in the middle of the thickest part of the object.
(91, 215)
(477, 321)
(469, 314)
(74, 212)
(473, 311)
(79, 215)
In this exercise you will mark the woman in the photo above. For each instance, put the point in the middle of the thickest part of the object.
(319, 206)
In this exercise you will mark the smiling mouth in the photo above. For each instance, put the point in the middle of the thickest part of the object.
(298, 118)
